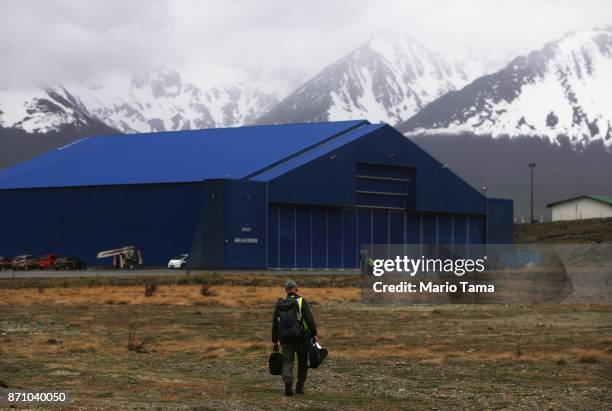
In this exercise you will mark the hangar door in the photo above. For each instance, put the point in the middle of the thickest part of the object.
(301, 236)
(305, 236)
(310, 237)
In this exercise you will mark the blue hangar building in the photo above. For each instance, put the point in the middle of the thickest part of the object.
(278, 196)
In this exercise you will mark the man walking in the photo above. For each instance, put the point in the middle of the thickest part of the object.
(293, 325)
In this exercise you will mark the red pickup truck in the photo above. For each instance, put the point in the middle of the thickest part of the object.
(46, 261)
(5, 263)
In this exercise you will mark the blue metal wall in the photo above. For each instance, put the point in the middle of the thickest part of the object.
(245, 224)
(159, 219)
(208, 220)
(315, 221)
(231, 229)
(500, 221)
(330, 179)
(208, 247)
(301, 236)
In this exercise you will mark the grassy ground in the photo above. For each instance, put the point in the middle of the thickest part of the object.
(597, 230)
(141, 276)
(210, 352)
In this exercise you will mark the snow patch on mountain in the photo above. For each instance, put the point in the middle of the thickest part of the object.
(41, 110)
(161, 100)
(560, 90)
(388, 79)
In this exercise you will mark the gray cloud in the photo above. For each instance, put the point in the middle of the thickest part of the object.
(62, 40)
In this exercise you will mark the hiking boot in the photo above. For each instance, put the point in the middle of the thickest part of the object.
(289, 389)
(299, 388)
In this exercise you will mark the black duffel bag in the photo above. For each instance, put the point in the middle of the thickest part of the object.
(275, 363)
(316, 354)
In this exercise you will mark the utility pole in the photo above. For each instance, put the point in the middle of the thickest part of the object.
(531, 167)
(484, 189)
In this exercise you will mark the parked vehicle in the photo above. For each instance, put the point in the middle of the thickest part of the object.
(180, 261)
(5, 263)
(69, 263)
(25, 262)
(45, 262)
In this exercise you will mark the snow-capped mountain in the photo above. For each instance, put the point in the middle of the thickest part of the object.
(43, 110)
(561, 90)
(390, 78)
(39, 119)
(161, 100)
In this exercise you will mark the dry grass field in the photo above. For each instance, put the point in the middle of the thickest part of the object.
(210, 352)
(176, 295)
(592, 231)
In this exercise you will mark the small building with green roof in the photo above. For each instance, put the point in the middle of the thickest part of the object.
(582, 208)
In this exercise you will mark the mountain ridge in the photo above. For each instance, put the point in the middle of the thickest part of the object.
(389, 78)
(555, 92)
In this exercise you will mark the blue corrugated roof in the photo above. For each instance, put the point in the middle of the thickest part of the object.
(316, 152)
(172, 157)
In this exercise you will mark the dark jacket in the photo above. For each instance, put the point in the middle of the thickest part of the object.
(306, 315)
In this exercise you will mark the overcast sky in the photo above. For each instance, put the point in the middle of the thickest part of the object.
(50, 41)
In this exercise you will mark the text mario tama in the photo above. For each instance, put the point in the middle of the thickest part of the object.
(413, 266)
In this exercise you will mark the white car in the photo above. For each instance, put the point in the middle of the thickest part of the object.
(180, 261)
